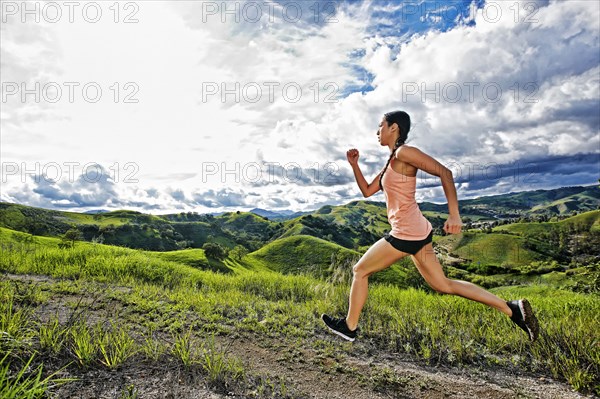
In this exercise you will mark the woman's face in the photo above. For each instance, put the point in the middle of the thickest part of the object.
(384, 134)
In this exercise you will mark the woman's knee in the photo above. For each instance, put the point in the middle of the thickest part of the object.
(359, 271)
(443, 286)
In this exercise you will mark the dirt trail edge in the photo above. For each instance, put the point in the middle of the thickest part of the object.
(322, 366)
(385, 376)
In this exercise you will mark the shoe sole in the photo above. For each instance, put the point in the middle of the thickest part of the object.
(347, 338)
(529, 319)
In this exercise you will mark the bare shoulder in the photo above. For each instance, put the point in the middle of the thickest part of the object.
(417, 158)
(406, 153)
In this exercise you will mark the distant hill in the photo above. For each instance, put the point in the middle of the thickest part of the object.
(494, 249)
(265, 213)
(585, 221)
(354, 226)
(559, 201)
(303, 254)
(278, 215)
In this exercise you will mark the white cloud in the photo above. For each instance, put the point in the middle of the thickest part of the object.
(174, 138)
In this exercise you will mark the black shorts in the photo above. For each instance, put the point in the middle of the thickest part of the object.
(411, 247)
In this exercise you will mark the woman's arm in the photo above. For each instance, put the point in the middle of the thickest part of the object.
(420, 160)
(365, 188)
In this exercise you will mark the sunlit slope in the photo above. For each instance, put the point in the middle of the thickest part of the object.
(589, 221)
(301, 254)
(491, 249)
(561, 200)
(356, 224)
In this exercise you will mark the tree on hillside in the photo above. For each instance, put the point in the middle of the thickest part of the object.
(238, 252)
(215, 250)
(68, 239)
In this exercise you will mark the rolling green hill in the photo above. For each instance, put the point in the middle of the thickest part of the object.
(353, 226)
(302, 254)
(570, 242)
(136, 230)
(560, 201)
(494, 249)
(588, 221)
(356, 224)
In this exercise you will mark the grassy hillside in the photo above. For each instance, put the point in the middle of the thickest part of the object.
(354, 226)
(494, 249)
(249, 223)
(562, 200)
(138, 230)
(166, 309)
(588, 221)
(567, 200)
(302, 254)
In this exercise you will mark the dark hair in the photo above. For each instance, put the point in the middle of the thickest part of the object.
(402, 119)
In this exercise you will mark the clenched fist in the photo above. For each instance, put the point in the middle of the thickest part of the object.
(352, 156)
(453, 225)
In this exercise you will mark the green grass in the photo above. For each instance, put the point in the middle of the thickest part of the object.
(171, 297)
(116, 218)
(51, 336)
(300, 254)
(492, 249)
(26, 384)
(591, 220)
(190, 257)
(116, 346)
(91, 344)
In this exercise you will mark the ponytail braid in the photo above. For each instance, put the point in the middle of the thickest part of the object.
(402, 119)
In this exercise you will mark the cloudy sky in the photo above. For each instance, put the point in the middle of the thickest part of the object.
(163, 107)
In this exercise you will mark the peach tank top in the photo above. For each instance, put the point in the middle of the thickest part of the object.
(404, 215)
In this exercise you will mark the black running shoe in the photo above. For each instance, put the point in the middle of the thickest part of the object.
(339, 327)
(523, 317)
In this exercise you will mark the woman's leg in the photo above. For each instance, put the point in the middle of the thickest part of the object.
(378, 257)
(431, 270)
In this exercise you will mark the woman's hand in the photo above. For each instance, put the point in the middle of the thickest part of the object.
(453, 225)
(352, 156)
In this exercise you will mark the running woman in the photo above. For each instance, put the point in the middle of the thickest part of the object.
(411, 232)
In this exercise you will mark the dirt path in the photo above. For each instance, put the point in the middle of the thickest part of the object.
(322, 377)
(322, 366)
